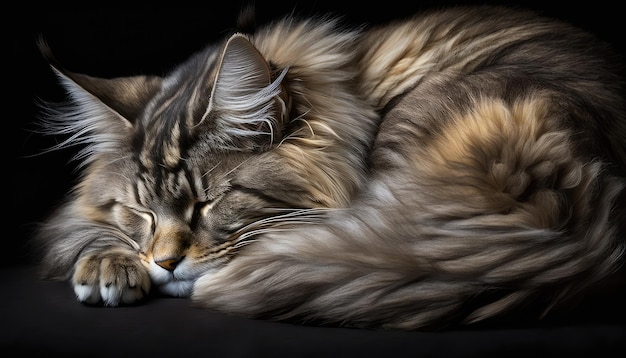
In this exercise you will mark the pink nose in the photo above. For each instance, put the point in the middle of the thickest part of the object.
(170, 264)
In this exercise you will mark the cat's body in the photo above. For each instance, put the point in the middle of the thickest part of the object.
(445, 168)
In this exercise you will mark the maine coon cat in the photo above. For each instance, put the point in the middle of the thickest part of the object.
(445, 168)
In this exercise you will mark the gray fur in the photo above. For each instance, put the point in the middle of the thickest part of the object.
(446, 168)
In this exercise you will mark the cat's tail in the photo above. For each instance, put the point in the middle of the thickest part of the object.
(367, 270)
(472, 227)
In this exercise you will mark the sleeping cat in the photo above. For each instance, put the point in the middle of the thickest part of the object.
(441, 169)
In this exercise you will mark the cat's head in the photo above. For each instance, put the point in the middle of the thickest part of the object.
(241, 139)
(185, 164)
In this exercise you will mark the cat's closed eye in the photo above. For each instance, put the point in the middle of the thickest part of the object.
(146, 215)
(135, 220)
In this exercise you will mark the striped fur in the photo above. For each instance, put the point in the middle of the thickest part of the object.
(441, 169)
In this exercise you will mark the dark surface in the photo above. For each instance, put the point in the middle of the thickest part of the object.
(43, 317)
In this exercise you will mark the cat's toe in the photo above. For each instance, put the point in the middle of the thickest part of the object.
(85, 280)
(124, 293)
(111, 294)
(123, 280)
(87, 293)
(113, 277)
(133, 294)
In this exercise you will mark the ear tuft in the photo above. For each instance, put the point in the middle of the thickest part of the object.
(246, 22)
(126, 96)
(101, 110)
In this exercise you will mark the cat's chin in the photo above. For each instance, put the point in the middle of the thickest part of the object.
(177, 284)
(176, 288)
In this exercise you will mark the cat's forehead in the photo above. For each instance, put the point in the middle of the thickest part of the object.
(193, 174)
(152, 186)
(167, 130)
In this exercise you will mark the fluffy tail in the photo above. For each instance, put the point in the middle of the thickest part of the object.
(496, 212)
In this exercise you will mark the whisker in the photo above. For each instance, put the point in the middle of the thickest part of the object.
(243, 243)
(212, 169)
(302, 119)
(250, 232)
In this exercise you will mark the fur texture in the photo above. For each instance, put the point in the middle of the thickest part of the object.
(445, 168)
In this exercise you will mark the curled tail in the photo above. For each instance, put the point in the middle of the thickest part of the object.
(496, 211)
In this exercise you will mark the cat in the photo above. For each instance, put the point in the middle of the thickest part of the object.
(442, 169)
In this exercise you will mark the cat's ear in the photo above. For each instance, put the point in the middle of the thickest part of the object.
(124, 96)
(244, 100)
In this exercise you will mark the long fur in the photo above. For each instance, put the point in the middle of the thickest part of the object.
(445, 168)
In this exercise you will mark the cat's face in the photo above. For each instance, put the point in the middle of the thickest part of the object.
(183, 165)
(190, 168)
(194, 216)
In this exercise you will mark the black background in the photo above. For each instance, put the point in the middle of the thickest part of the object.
(42, 317)
(121, 40)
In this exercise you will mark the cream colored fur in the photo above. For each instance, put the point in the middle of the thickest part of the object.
(446, 168)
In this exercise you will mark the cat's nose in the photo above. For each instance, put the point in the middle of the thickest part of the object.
(169, 263)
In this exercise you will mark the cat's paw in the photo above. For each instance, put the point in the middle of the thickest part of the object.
(111, 277)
